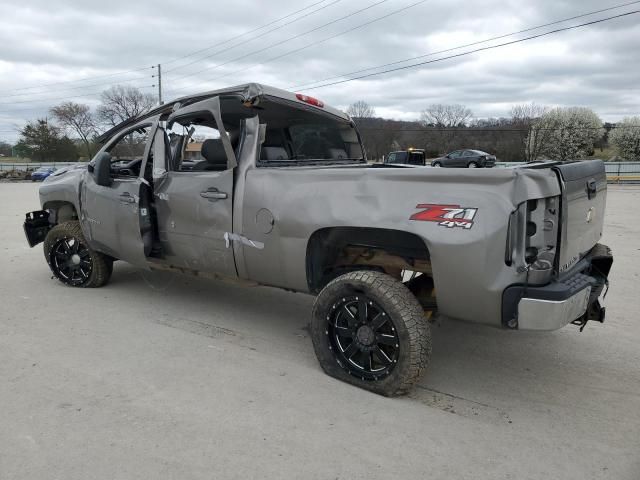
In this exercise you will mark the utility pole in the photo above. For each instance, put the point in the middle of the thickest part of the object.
(160, 84)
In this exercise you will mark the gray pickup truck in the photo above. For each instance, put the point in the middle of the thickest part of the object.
(257, 184)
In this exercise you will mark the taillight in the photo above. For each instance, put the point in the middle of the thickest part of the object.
(310, 100)
(532, 237)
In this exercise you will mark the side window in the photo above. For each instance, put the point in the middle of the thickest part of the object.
(455, 154)
(391, 158)
(416, 158)
(468, 153)
(128, 151)
(195, 145)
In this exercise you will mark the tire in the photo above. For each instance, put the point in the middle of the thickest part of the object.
(437, 164)
(473, 165)
(343, 342)
(72, 261)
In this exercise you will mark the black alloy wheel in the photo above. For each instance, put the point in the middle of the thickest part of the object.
(364, 337)
(369, 330)
(71, 262)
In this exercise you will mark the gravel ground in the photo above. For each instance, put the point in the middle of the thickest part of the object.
(167, 377)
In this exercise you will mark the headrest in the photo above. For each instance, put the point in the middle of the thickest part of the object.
(274, 153)
(213, 152)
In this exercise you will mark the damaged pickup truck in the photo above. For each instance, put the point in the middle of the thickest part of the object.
(258, 184)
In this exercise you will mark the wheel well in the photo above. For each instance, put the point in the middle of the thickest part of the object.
(334, 251)
(60, 211)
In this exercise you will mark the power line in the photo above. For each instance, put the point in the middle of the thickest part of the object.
(78, 80)
(312, 44)
(284, 41)
(40, 109)
(532, 37)
(467, 45)
(146, 68)
(61, 98)
(250, 39)
(74, 88)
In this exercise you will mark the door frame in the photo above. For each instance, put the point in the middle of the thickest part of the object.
(134, 253)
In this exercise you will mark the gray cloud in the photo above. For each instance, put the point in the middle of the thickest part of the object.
(595, 67)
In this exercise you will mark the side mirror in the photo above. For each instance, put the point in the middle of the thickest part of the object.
(102, 170)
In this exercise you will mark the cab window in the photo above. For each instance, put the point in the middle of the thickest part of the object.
(128, 151)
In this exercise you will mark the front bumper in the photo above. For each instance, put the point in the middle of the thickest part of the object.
(36, 226)
(573, 298)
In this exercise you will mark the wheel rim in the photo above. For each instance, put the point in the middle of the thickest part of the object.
(473, 165)
(71, 261)
(437, 165)
(363, 337)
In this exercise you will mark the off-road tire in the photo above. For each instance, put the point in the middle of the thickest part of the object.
(101, 265)
(406, 315)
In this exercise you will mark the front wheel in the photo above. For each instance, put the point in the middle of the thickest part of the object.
(368, 329)
(473, 165)
(71, 259)
(437, 164)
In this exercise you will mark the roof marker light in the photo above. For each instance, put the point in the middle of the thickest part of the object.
(310, 100)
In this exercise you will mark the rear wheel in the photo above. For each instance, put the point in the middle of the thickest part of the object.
(71, 259)
(369, 330)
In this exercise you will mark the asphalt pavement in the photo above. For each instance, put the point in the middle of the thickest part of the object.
(158, 376)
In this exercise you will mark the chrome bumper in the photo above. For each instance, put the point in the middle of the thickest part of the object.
(537, 314)
(574, 298)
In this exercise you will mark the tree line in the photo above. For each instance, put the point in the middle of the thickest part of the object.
(531, 132)
(71, 129)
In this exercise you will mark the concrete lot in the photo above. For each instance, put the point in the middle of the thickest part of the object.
(165, 377)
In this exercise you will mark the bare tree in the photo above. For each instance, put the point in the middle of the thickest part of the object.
(440, 115)
(78, 119)
(444, 117)
(526, 118)
(361, 109)
(120, 103)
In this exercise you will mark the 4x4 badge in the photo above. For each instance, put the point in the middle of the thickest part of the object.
(446, 215)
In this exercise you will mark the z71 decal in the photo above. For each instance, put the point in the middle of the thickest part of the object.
(446, 215)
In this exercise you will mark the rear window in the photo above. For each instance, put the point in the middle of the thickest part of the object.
(316, 142)
(397, 157)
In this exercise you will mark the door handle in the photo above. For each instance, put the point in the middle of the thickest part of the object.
(592, 189)
(213, 194)
(127, 198)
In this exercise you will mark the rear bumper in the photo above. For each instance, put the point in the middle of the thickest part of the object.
(572, 298)
(489, 163)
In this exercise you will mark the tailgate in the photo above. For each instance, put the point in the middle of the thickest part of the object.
(584, 197)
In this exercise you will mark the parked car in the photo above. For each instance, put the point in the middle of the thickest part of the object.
(41, 173)
(411, 156)
(285, 198)
(466, 159)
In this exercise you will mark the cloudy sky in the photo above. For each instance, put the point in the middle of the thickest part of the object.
(79, 48)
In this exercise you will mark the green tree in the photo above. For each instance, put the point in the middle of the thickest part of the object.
(42, 141)
(5, 149)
